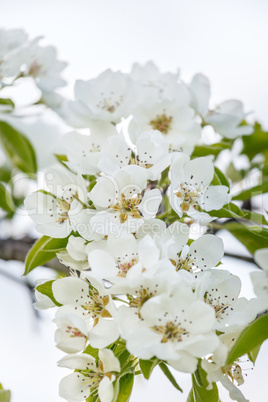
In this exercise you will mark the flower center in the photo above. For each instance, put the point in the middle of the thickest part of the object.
(162, 123)
(96, 306)
(35, 69)
(63, 207)
(234, 371)
(127, 206)
(124, 267)
(74, 332)
(141, 297)
(170, 332)
(189, 196)
(183, 263)
(108, 104)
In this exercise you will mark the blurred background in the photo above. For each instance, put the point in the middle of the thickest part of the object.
(224, 39)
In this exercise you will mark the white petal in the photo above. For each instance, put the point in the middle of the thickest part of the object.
(103, 334)
(72, 387)
(68, 290)
(207, 251)
(199, 172)
(261, 258)
(79, 362)
(109, 361)
(106, 390)
(215, 197)
(150, 203)
(102, 264)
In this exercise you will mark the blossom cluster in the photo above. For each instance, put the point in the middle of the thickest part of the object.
(137, 281)
(21, 57)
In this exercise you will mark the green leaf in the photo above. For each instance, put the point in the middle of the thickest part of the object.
(251, 192)
(199, 390)
(6, 202)
(92, 398)
(255, 143)
(147, 366)
(190, 397)
(252, 337)
(219, 178)
(125, 385)
(8, 103)
(92, 352)
(169, 375)
(213, 149)
(228, 211)
(123, 357)
(252, 237)
(5, 173)
(43, 250)
(46, 289)
(254, 217)
(4, 394)
(253, 354)
(18, 148)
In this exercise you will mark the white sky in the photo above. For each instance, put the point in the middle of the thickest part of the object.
(224, 39)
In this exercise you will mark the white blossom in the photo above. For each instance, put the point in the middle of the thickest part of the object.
(190, 188)
(90, 378)
(120, 203)
(174, 120)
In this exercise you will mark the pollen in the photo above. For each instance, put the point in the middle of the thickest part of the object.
(162, 123)
(127, 206)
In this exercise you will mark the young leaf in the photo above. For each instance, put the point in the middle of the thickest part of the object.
(190, 397)
(251, 192)
(6, 202)
(18, 148)
(92, 352)
(252, 237)
(123, 357)
(228, 211)
(219, 178)
(253, 354)
(169, 375)
(7, 102)
(147, 366)
(255, 143)
(5, 395)
(252, 337)
(43, 250)
(46, 289)
(125, 385)
(213, 149)
(200, 393)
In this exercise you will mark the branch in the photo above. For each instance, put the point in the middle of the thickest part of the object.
(17, 249)
(241, 257)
